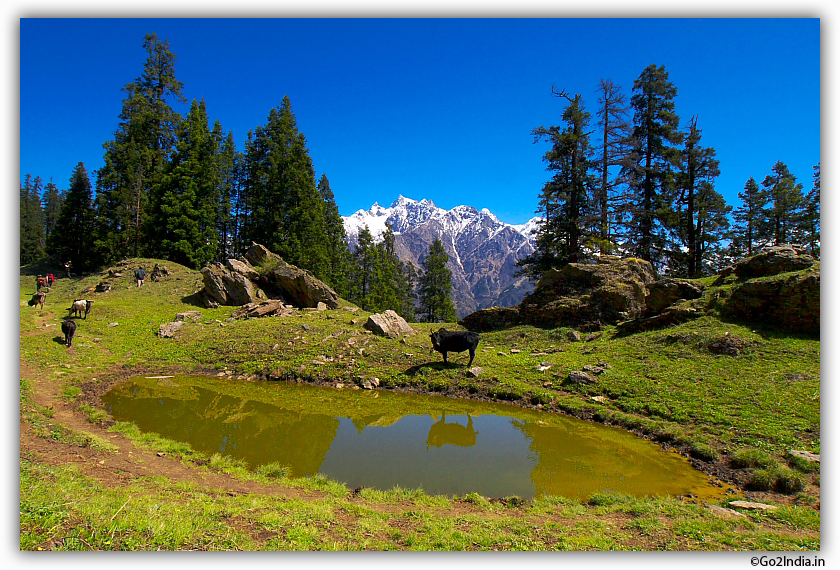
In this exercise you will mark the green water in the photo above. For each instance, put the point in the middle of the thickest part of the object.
(382, 439)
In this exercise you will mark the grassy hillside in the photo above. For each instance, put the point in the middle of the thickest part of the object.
(737, 417)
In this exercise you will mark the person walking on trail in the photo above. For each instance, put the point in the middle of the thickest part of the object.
(67, 267)
(50, 279)
(140, 275)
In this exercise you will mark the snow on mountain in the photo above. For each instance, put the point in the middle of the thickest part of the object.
(405, 214)
(482, 250)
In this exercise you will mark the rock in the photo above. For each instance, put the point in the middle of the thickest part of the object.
(573, 336)
(593, 369)
(103, 287)
(581, 377)
(113, 324)
(388, 324)
(158, 272)
(772, 261)
(724, 512)
(491, 319)
(515, 351)
(750, 506)
(242, 268)
(262, 309)
(321, 306)
(806, 455)
(475, 371)
(666, 292)
(168, 330)
(227, 287)
(191, 315)
(790, 301)
(728, 345)
(296, 285)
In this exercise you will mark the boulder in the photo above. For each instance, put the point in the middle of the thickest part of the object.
(666, 292)
(581, 377)
(772, 261)
(261, 308)
(168, 330)
(227, 287)
(791, 301)
(388, 324)
(191, 315)
(280, 279)
(582, 295)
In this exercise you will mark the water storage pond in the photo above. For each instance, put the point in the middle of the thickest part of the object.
(383, 439)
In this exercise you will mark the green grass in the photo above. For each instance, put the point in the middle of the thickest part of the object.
(744, 411)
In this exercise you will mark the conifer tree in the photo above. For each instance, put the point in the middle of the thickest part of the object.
(656, 131)
(286, 211)
(136, 157)
(565, 201)
(362, 273)
(811, 223)
(436, 286)
(31, 221)
(185, 201)
(338, 254)
(786, 204)
(72, 237)
(750, 230)
(615, 149)
(694, 202)
(229, 161)
(52, 206)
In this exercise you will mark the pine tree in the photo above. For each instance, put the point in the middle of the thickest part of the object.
(811, 222)
(436, 286)
(786, 202)
(615, 150)
(750, 231)
(286, 211)
(136, 157)
(52, 206)
(699, 167)
(363, 268)
(656, 130)
(72, 238)
(185, 201)
(31, 221)
(565, 200)
(338, 254)
(229, 161)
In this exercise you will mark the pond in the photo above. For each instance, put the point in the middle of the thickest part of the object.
(383, 439)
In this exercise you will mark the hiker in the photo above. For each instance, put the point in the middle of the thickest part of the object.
(50, 279)
(140, 275)
(67, 268)
(40, 281)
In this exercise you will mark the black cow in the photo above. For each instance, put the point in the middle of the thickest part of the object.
(68, 327)
(455, 341)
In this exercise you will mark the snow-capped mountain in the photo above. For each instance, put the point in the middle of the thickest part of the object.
(482, 250)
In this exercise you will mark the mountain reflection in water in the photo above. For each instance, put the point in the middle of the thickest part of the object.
(382, 439)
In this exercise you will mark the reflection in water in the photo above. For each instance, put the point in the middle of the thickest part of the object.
(384, 439)
(453, 434)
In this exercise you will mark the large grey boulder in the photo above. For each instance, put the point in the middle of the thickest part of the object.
(282, 280)
(261, 273)
(774, 260)
(388, 324)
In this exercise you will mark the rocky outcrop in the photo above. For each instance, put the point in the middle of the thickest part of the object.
(586, 296)
(388, 324)
(791, 301)
(666, 292)
(773, 261)
(261, 275)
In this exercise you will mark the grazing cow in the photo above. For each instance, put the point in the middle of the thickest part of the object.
(455, 341)
(68, 327)
(38, 299)
(79, 307)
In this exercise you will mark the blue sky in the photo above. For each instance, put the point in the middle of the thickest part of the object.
(429, 108)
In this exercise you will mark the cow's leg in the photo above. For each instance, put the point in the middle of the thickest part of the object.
(472, 355)
(444, 357)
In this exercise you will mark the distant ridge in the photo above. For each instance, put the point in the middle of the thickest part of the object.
(482, 250)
